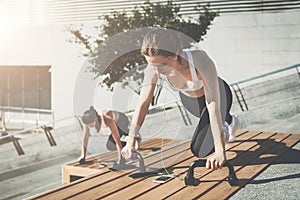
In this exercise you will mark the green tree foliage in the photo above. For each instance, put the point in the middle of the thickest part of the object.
(110, 59)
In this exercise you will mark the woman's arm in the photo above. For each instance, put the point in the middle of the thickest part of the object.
(85, 140)
(141, 110)
(207, 69)
(111, 124)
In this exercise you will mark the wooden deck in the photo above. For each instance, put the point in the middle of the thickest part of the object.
(93, 165)
(251, 153)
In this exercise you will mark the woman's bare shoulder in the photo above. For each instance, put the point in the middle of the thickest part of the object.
(201, 59)
(199, 54)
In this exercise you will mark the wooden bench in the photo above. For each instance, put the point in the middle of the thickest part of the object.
(251, 153)
(74, 171)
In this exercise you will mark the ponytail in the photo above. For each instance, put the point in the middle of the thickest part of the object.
(91, 115)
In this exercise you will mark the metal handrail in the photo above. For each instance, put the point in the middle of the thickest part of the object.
(169, 103)
(24, 110)
(238, 92)
(55, 121)
(33, 128)
(267, 74)
(29, 110)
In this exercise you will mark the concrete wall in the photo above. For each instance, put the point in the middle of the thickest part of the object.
(248, 44)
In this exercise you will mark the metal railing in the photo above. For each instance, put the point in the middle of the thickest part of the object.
(46, 127)
(184, 114)
(238, 91)
(7, 110)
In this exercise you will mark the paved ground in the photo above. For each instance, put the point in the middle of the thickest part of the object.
(33, 179)
(279, 181)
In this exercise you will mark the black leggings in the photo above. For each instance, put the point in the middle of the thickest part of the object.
(122, 125)
(202, 142)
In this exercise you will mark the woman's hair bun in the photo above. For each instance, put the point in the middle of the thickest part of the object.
(89, 115)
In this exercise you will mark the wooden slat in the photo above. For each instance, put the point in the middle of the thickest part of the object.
(100, 180)
(146, 147)
(212, 179)
(146, 185)
(250, 154)
(63, 189)
(175, 187)
(118, 180)
(122, 184)
(92, 163)
(252, 169)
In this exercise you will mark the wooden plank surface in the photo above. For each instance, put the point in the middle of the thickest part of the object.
(251, 153)
(93, 164)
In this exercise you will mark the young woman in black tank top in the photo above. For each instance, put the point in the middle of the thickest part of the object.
(117, 122)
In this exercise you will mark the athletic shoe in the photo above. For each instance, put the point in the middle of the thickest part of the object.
(232, 128)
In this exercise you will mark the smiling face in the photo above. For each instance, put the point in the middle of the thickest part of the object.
(162, 64)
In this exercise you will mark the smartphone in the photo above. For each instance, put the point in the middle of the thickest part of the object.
(163, 179)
